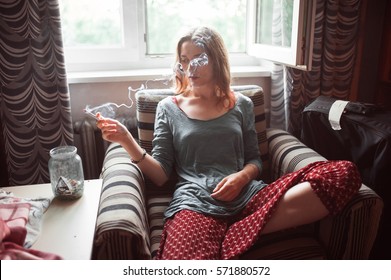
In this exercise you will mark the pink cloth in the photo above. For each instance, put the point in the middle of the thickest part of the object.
(13, 220)
(191, 235)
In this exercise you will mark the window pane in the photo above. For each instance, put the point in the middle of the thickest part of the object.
(168, 19)
(284, 31)
(91, 23)
(274, 22)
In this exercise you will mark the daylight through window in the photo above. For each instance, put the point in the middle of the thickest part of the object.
(142, 34)
(168, 19)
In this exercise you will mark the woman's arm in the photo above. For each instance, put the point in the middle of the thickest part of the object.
(114, 131)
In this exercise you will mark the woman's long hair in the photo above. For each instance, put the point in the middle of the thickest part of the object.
(214, 47)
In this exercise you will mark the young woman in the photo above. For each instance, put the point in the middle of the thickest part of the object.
(206, 132)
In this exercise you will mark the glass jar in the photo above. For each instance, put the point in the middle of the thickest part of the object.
(66, 172)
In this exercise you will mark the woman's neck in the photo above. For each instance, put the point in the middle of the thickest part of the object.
(204, 92)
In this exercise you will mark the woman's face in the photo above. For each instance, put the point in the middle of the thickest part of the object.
(196, 65)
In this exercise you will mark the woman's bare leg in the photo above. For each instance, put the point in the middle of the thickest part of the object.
(299, 205)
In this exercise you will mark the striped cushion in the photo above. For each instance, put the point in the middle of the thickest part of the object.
(291, 244)
(287, 153)
(158, 200)
(122, 225)
(292, 248)
(156, 207)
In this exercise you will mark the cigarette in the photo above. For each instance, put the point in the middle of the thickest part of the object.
(90, 114)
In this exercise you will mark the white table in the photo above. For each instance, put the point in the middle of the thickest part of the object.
(68, 227)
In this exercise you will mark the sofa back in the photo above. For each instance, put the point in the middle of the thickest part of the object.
(147, 100)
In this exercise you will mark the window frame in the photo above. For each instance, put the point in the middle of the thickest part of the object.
(299, 55)
(111, 58)
(132, 56)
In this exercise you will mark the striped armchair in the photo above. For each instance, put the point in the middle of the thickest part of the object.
(130, 218)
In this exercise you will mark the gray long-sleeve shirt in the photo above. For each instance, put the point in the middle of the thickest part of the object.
(204, 152)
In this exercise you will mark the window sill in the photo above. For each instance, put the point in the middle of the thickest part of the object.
(153, 74)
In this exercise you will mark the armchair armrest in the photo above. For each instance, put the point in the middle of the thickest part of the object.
(287, 153)
(348, 235)
(351, 234)
(122, 230)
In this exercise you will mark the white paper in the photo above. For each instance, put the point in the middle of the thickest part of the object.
(336, 112)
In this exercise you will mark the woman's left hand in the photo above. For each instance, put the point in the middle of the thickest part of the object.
(230, 187)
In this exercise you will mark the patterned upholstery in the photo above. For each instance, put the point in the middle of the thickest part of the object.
(287, 153)
(130, 218)
(122, 224)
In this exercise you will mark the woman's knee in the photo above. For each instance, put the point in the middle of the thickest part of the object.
(335, 182)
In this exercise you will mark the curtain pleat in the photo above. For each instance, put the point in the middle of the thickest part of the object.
(335, 45)
(34, 98)
(278, 99)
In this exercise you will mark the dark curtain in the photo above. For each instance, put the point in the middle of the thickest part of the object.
(334, 55)
(35, 109)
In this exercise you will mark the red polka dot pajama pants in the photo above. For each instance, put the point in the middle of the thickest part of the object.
(192, 235)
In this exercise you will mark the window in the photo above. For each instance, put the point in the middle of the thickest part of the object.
(100, 34)
(109, 35)
(168, 19)
(283, 31)
(140, 34)
(100, 27)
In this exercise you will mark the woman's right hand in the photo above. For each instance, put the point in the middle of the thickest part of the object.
(113, 130)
